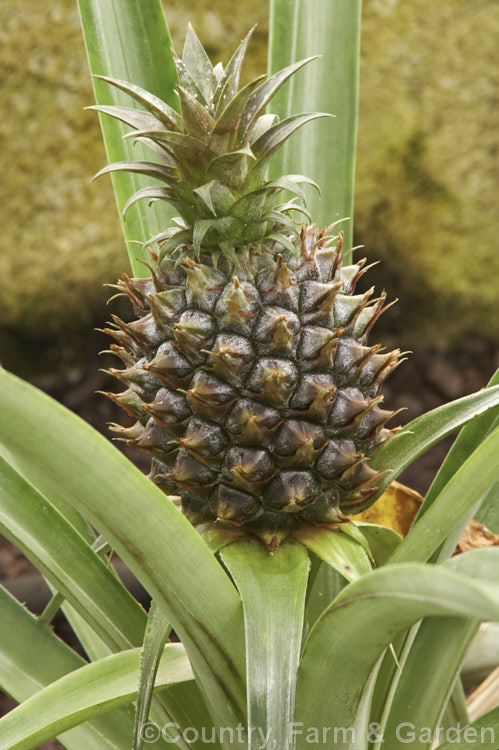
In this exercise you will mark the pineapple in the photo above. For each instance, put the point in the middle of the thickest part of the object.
(247, 368)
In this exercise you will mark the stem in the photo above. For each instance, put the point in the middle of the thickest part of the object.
(52, 608)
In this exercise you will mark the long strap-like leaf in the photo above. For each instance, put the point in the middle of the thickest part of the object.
(31, 657)
(462, 482)
(326, 150)
(482, 733)
(442, 642)
(454, 505)
(466, 442)
(129, 40)
(100, 603)
(156, 542)
(427, 430)
(272, 588)
(483, 656)
(157, 632)
(488, 513)
(48, 486)
(364, 619)
(437, 640)
(325, 587)
(60, 553)
(337, 549)
(85, 693)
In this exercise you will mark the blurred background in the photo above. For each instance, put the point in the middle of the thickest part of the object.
(426, 192)
(426, 196)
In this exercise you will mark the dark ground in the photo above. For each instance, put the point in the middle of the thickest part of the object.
(69, 371)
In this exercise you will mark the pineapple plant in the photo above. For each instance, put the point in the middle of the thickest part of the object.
(251, 383)
(248, 368)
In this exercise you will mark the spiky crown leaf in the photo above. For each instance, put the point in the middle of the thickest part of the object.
(214, 155)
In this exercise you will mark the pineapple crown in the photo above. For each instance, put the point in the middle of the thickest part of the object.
(213, 157)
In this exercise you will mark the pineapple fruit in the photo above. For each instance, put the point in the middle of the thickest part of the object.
(247, 368)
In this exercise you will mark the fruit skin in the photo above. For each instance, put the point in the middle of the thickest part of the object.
(256, 393)
(247, 370)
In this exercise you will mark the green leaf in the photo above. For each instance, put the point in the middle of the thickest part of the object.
(389, 668)
(30, 522)
(223, 225)
(281, 219)
(176, 240)
(481, 563)
(218, 537)
(195, 118)
(216, 196)
(188, 583)
(198, 63)
(148, 168)
(186, 80)
(182, 147)
(133, 117)
(229, 83)
(326, 151)
(272, 139)
(372, 611)
(454, 505)
(231, 115)
(129, 40)
(31, 657)
(150, 194)
(157, 632)
(205, 192)
(425, 431)
(87, 692)
(272, 588)
(235, 161)
(189, 710)
(437, 640)
(291, 183)
(482, 733)
(48, 486)
(382, 541)
(483, 656)
(264, 93)
(263, 123)
(93, 646)
(153, 104)
(440, 641)
(468, 439)
(456, 711)
(488, 514)
(282, 239)
(335, 548)
(325, 587)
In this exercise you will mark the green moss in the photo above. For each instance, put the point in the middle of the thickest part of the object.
(417, 173)
(60, 236)
(427, 178)
(61, 239)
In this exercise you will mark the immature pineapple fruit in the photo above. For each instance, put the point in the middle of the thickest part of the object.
(248, 368)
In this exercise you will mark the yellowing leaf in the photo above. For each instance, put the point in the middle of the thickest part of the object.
(396, 508)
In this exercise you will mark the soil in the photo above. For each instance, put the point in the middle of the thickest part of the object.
(69, 372)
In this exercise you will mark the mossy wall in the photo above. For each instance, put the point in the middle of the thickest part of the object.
(61, 239)
(428, 168)
(427, 162)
